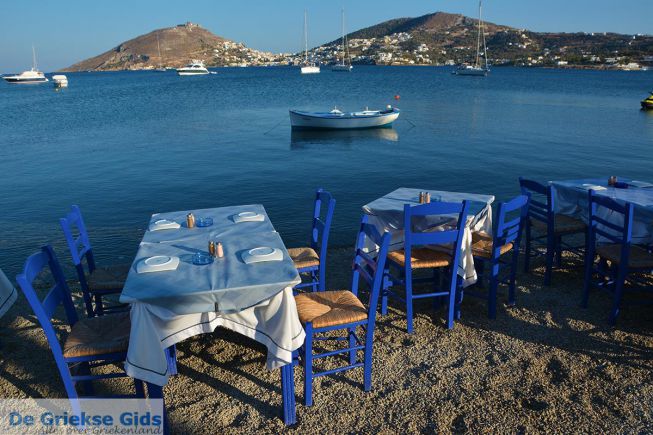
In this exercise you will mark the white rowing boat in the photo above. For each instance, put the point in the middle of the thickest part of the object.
(337, 120)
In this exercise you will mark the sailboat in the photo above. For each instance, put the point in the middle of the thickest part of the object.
(308, 67)
(31, 76)
(158, 46)
(344, 65)
(477, 69)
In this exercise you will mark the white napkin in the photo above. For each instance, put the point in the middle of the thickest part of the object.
(594, 187)
(248, 216)
(258, 255)
(157, 263)
(164, 224)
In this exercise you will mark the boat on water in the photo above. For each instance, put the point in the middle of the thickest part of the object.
(308, 67)
(480, 67)
(338, 120)
(345, 63)
(160, 68)
(647, 104)
(60, 81)
(195, 68)
(28, 77)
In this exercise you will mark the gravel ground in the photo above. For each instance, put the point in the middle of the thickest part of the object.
(544, 366)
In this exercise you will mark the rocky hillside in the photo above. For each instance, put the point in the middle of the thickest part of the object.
(178, 45)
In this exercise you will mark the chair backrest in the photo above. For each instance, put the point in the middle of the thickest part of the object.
(540, 201)
(370, 265)
(322, 217)
(58, 294)
(449, 220)
(511, 216)
(620, 227)
(80, 245)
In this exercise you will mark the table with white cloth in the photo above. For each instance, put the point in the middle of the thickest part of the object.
(255, 300)
(387, 214)
(571, 199)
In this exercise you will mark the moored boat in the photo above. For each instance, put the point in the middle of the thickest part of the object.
(196, 67)
(308, 67)
(647, 104)
(338, 120)
(480, 68)
(60, 81)
(28, 77)
(345, 64)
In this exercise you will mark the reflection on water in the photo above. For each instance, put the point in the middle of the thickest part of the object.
(303, 138)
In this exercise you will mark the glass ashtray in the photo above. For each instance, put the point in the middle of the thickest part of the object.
(204, 222)
(201, 259)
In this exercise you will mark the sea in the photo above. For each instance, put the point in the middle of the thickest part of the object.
(124, 145)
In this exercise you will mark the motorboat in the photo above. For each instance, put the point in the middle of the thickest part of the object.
(196, 67)
(647, 104)
(338, 120)
(60, 81)
(28, 77)
(308, 67)
(480, 67)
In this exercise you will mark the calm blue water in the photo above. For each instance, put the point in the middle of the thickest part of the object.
(124, 145)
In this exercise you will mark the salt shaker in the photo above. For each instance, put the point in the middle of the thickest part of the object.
(219, 250)
(612, 180)
(427, 198)
(421, 197)
(190, 220)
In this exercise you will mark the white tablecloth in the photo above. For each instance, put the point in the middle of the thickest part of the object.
(8, 294)
(273, 323)
(387, 214)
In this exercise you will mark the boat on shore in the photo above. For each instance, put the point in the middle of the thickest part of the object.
(338, 120)
(479, 68)
(647, 103)
(195, 68)
(33, 76)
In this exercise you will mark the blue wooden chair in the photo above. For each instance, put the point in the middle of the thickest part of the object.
(96, 282)
(322, 312)
(91, 343)
(619, 258)
(492, 249)
(550, 227)
(418, 254)
(312, 260)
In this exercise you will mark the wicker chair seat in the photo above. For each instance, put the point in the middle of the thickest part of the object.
(421, 258)
(108, 278)
(482, 246)
(638, 258)
(98, 336)
(563, 225)
(304, 257)
(330, 308)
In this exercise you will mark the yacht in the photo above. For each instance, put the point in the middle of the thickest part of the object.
(479, 68)
(196, 67)
(31, 76)
(308, 67)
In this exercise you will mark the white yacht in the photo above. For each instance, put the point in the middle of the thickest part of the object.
(308, 67)
(31, 76)
(480, 68)
(194, 68)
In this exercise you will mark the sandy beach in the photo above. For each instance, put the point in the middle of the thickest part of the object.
(546, 365)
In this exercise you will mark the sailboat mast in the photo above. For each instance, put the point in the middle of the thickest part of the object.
(305, 37)
(480, 19)
(342, 13)
(33, 59)
(478, 39)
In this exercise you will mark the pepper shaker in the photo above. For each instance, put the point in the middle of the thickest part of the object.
(219, 250)
(190, 220)
(427, 198)
(612, 180)
(421, 197)
(212, 248)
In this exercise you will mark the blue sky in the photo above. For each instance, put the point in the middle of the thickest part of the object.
(67, 31)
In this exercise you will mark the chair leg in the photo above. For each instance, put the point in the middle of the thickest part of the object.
(367, 366)
(322, 277)
(140, 388)
(409, 300)
(99, 309)
(559, 251)
(513, 278)
(587, 283)
(387, 283)
(453, 296)
(156, 392)
(527, 256)
(308, 365)
(550, 251)
(85, 369)
(352, 343)
(288, 394)
(460, 293)
(492, 292)
(619, 283)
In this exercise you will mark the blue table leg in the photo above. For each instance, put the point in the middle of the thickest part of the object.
(156, 392)
(171, 357)
(288, 394)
